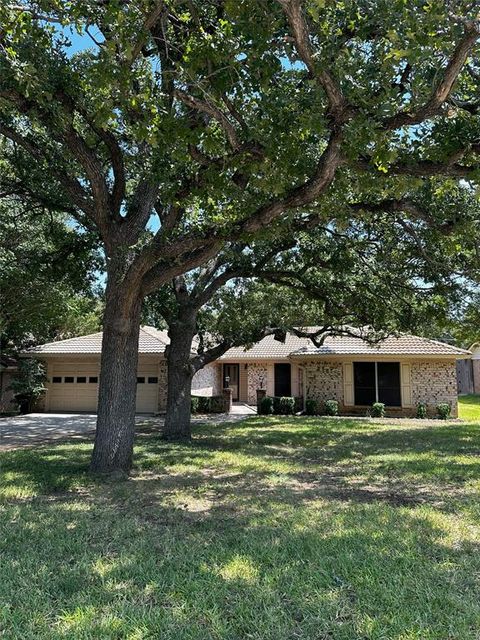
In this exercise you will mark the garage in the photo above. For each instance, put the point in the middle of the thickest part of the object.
(73, 369)
(74, 387)
(147, 389)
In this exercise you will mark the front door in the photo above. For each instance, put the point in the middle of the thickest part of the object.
(230, 379)
(283, 379)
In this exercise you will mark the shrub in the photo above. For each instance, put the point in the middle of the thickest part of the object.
(203, 404)
(28, 383)
(208, 404)
(276, 405)
(331, 408)
(443, 410)
(217, 404)
(195, 404)
(378, 410)
(287, 406)
(421, 410)
(266, 406)
(311, 407)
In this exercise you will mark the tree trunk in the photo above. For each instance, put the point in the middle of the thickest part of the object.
(179, 376)
(113, 449)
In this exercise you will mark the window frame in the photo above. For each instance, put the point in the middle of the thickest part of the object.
(377, 395)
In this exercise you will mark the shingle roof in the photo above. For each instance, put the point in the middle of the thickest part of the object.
(151, 340)
(405, 345)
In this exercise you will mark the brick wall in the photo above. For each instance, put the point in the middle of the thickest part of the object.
(434, 382)
(323, 381)
(257, 379)
(206, 382)
(162, 385)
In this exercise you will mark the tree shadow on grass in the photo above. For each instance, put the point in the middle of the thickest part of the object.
(288, 530)
(348, 458)
(225, 556)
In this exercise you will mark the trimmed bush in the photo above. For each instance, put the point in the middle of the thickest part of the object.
(287, 406)
(276, 404)
(208, 404)
(195, 404)
(298, 404)
(311, 407)
(378, 410)
(204, 404)
(443, 410)
(331, 408)
(421, 410)
(217, 404)
(266, 406)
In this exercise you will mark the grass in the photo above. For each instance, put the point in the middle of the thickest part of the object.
(469, 407)
(269, 529)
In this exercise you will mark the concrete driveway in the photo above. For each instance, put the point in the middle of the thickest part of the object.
(41, 428)
(44, 428)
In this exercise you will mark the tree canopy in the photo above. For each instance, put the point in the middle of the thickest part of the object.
(221, 116)
(47, 277)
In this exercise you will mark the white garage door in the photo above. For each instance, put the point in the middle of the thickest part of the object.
(74, 387)
(147, 389)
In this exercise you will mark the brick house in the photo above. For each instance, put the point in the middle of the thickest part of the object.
(401, 372)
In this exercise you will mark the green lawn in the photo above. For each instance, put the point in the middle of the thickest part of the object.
(270, 529)
(469, 407)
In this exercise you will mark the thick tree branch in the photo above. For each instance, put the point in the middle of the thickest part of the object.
(301, 195)
(149, 23)
(337, 104)
(443, 89)
(74, 189)
(420, 168)
(162, 272)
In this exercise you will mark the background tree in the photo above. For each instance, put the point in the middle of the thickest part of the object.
(220, 118)
(48, 274)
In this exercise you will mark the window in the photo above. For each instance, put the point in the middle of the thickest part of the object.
(388, 375)
(69, 378)
(81, 379)
(56, 379)
(93, 379)
(364, 379)
(152, 380)
(141, 380)
(377, 382)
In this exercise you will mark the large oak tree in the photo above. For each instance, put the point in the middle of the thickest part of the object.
(219, 118)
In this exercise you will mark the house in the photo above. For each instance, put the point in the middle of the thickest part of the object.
(399, 371)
